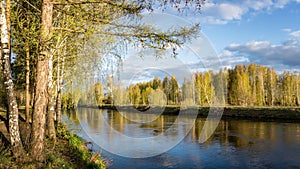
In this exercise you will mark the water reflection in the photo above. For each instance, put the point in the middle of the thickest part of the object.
(235, 143)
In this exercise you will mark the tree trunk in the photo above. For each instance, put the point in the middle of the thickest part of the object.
(51, 103)
(59, 89)
(7, 15)
(37, 146)
(27, 93)
(13, 121)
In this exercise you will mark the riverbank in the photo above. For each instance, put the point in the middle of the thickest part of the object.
(69, 150)
(253, 113)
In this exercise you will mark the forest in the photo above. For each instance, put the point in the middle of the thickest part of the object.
(46, 44)
(244, 85)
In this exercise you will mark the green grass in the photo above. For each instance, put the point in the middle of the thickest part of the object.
(79, 150)
(69, 151)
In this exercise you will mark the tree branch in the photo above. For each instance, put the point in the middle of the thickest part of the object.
(69, 30)
(32, 6)
(79, 3)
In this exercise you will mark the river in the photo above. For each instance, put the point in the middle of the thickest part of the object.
(234, 143)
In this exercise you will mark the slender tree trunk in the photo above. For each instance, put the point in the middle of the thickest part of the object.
(272, 89)
(57, 86)
(51, 102)
(37, 146)
(7, 14)
(59, 89)
(27, 93)
(13, 121)
(297, 90)
(27, 87)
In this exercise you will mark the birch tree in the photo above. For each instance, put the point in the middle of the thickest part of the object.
(13, 120)
(95, 13)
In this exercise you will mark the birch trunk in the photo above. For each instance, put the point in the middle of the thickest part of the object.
(27, 93)
(37, 146)
(59, 90)
(13, 121)
(51, 102)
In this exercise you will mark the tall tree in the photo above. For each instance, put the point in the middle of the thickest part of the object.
(187, 92)
(156, 83)
(51, 102)
(166, 88)
(220, 87)
(271, 86)
(287, 89)
(260, 89)
(251, 68)
(59, 82)
(239, 86)
(174, 90)
(13, 121)
(99, 95)
(94, 14)
(197, 86)
(298, 89)
(25, 29)
(207, 88)
(37, 149)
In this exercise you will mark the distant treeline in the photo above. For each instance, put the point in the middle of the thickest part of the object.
(251, 85)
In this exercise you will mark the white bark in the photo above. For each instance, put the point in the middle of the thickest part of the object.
(13, 120)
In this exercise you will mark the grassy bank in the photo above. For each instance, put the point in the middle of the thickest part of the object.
(69, 151)
(255, 113)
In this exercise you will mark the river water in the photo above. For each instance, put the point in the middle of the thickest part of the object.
(234, 143)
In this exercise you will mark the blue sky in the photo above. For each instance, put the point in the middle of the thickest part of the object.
(261, 31)
(266, 32)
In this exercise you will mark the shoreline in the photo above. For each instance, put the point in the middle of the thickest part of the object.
(229, 112)
(68, 151)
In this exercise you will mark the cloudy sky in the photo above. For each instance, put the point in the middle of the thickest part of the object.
(266, 32)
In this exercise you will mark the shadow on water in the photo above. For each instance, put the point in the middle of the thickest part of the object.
(234, 144)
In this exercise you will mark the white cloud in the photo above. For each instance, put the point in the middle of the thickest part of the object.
(221, 13)
(265, 53)
(226, 11)
(281, 3)
(213, 20)
(226, 53)
(295, 34)
(258, 4)
(287, 30)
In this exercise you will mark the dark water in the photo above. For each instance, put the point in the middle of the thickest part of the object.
(234, 144)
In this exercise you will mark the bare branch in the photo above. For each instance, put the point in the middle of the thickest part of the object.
(32, 6)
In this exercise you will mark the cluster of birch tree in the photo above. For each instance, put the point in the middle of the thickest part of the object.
(45, 43)
(251, 85)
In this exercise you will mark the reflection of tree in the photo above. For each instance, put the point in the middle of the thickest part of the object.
(72, 115)
(235, 133)
(243, 133)
(117, 121)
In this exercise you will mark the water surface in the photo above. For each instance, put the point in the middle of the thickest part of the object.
(234, 144)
